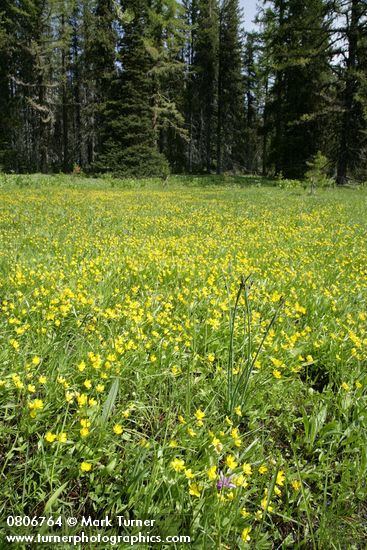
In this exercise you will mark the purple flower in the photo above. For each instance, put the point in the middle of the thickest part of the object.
(225, 482)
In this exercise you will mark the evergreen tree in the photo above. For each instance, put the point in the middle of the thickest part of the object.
(130, 86)
(100, 72)
(130, 143)
(204, 85)
(256, 83)
(230, 127)
(297, 39)
(353, 125)
(165, 43)
(6, 96)
(32, 85)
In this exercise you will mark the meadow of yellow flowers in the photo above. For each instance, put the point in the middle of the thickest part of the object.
(131, 384)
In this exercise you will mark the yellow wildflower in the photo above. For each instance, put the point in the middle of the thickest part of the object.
(231, 462)
(177, 464)
(199, 415)
(296, 484)
(280, 478)
(50, 437)
(212, 473)
(195, 490)
(245, 535)
(247, 469)
(85, 466)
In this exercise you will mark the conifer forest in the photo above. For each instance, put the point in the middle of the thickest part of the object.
(151, 87)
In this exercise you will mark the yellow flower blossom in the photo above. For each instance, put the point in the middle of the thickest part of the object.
(177, 464)
(262, 469)
(212, 473)
(231, 462)
(85, 466)
(118, 429)
(247, 469)
(82, 366)
(199, 415)
(50, 437)
(296, 484)
(195, 489)
(245, 535)
(280, 478)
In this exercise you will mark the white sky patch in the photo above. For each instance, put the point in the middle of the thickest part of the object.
(249, 11)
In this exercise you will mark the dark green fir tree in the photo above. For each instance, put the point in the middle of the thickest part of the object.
(129, 141)
(297, 48)
(231, 90)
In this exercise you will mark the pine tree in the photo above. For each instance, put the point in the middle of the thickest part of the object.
(204, 86)
(6, 93)
(353, 124)
(255, 81)
(165, 43)
(129, 146)
(32, 85)
(297, 37)
(99, 73)
(231, 91)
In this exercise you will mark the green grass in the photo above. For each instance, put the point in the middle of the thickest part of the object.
(129, 380)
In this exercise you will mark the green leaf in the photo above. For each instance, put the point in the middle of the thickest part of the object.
(110, 401)
(54, 497)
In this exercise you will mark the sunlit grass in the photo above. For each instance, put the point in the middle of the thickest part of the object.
(115, 327)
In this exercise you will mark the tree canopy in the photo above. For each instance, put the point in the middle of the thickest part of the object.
(144, 87)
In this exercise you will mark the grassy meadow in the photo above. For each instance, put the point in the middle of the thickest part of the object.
(190, 354)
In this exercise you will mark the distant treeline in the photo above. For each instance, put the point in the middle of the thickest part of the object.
(144, 87)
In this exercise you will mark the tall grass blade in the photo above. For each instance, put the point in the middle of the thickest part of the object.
(110, 401)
